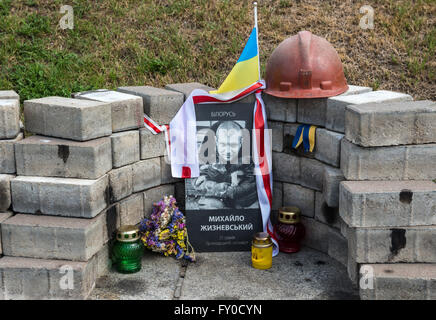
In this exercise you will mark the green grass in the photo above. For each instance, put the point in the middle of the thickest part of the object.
(132, 42)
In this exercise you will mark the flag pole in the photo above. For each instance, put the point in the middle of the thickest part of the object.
(257, 35)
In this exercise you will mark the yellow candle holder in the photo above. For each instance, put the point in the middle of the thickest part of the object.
(261, 251)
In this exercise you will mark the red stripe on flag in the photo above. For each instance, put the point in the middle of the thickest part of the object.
(271, 233)
(263, 161)
(203, 99)
(186, 172)
(167, 126)
(151, 125)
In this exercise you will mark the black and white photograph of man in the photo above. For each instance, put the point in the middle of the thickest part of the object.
(229, 181)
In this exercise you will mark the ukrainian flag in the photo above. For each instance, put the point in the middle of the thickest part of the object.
(246, 70)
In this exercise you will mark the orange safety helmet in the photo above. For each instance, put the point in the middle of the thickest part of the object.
(305, 66)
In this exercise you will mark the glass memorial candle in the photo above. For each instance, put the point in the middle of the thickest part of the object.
(261, 251)
(289, 231)
(128, 250)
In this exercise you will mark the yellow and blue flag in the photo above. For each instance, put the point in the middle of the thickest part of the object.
(246, 70)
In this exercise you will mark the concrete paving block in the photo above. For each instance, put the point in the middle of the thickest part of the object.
(151, 145)
(328, 146)
(5, 191)
(159, 104)
(7, 154)
(68, 118)
(409, 162)
(312, 111)
(154, 195)
(401, 281)
(393, 123)
(388, 203)
(355, 90)
(338, 246)
(389, 245)
(335, 115)
(324, 213)
(60, 196)
(166, 175)
(301, 197)
(127, 109)
(125, 148)
(312, 172)
(290, 129)
(286, 167)
(187, 88)
(41, 279)
(353, 269)
(9, 118)
(418, 159)
(277, 202)
(46, 237)
(3, 216)
(113, 220)
(317, 234)
(344, 227)
(276, 135)
(103, 260)
(330, 185)
(279, 109)
(146, 174)
(120, 183)
(130, 211)
(51, 157)
(9, 94)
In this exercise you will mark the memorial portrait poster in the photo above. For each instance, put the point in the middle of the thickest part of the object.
(222, 208)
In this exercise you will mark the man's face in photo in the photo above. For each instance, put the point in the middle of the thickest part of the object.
(229, 141)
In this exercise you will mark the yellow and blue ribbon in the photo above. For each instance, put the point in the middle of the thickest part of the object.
(305, 134)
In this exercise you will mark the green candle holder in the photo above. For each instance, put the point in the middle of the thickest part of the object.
(128, 250)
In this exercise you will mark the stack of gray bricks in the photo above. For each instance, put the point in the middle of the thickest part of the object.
(139, 175)
(380, 141)
(55, 234)
(10, 133)
(87, 167)
(388, 202)
(310, 180)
